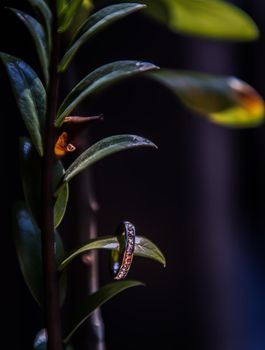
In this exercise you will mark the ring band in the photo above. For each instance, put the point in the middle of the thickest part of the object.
(125, 230)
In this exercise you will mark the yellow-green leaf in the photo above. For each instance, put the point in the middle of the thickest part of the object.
(67, 13)
(207, 18)
(223, 100)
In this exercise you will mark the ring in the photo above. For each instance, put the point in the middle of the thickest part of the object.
(125, 230)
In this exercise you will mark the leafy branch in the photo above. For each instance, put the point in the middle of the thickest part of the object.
(52, 132)
(39, 246)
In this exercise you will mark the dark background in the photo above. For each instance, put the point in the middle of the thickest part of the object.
(199, 197)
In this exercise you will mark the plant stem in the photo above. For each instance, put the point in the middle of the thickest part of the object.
(52, 309)
(85, 209)
(93, 335)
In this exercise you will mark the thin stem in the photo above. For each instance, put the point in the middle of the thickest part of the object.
(52, 309)
(85, 207)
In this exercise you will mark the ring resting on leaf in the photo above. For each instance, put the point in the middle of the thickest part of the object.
(119, 270)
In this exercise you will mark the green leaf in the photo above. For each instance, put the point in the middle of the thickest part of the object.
(30, 163)
(60, 5)
(97, 80)
(28, 246)
(103, 149)
(95, 23)
(92, 302)
(30, 96)
(143, 247)
(87, 4)
(147, 249)
(67, 13)
(44, 14)
(39, 37)
(223, 100)
(31, 181)
(61, 196)
(206, 18)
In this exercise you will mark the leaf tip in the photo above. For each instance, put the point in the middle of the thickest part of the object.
(133, 283)
(162, 260)
(252, 32)
(143, 141)
(151, 144)
(145, 66)
(140, 6)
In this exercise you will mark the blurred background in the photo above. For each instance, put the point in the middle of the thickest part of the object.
(199, 197)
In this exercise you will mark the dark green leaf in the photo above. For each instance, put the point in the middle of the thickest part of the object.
(31, 180)
(89, 305)
(95, 23)
(67, 13)
(207, 18)
(103, 149)
(30, 96)
(143, 247)
(39, 37)
(45, 16)
(28, 245)
(97, 80)
(60, 204)
(61, 196)
(30, 174)
(223, 100)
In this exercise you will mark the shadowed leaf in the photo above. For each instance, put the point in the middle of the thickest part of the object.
(61, 197)
(92, 302)
(28, 246)
(31, 164)
(44, 15)
(103, 149)
(39, 37)
(30, 96)
(223, 100)
(95, 23)
(143, 247)
(97, 80)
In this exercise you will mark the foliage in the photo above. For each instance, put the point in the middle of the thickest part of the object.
(207, 18)
(223, 100)
(227, 101)
(30, 92)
